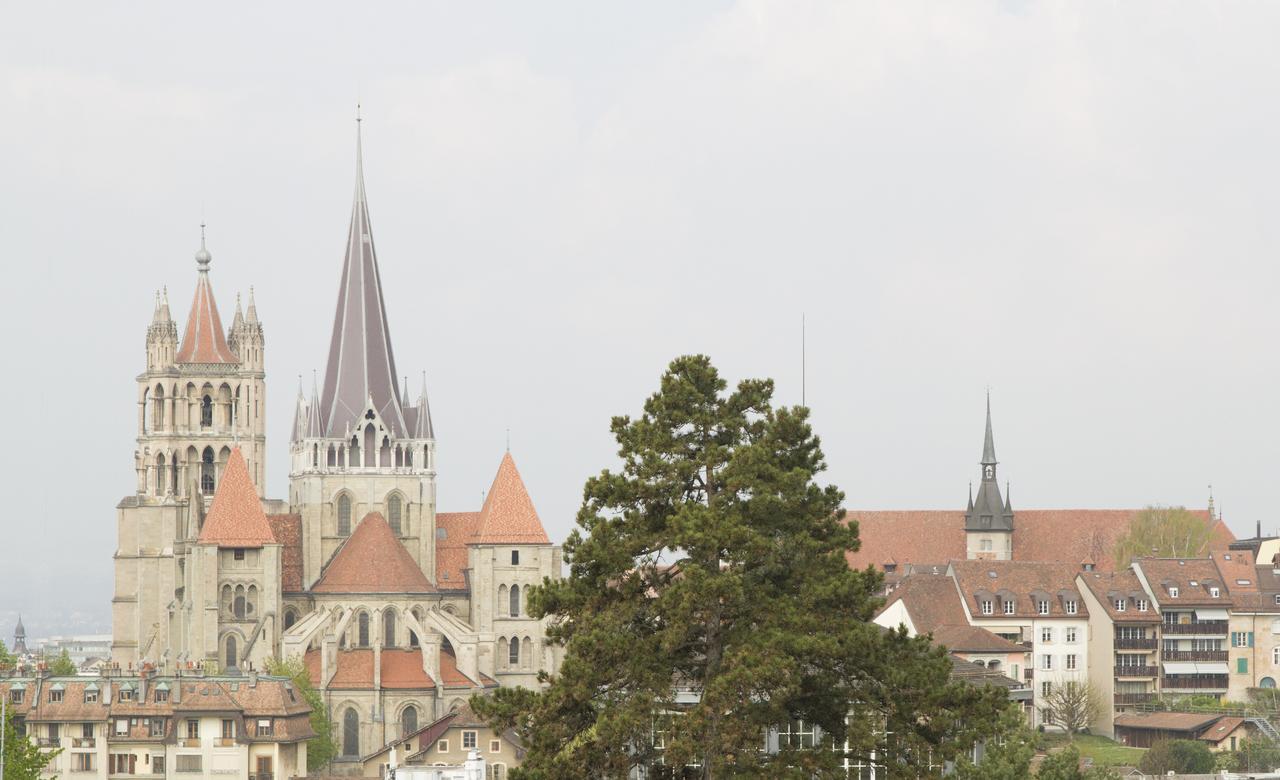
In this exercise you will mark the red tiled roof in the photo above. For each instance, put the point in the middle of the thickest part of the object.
(508, 516)
(287, 530)
(973, 639)
(1181, 573)
(372, 560)
(931, 600)
(204, 341)
(401, 669)
(1049, 535)
(451, 551)
(1022, 582)
(1108, 586)
(236, 518)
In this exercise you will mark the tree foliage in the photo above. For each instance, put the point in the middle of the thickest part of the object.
(713, 563)
(7, 659)
(1187, 756)
(23, 760)
(1163, 532)
(1072, 705)
(63, 666)
(1065, 765)
(1256, 754)
(321, 748)
(1006, 758)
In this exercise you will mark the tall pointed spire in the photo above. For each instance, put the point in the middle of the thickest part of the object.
(989, 445)
(988, 511)
(361, 365)
(204, 340)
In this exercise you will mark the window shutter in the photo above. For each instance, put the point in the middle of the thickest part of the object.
(1250, 639)
(1242, 666)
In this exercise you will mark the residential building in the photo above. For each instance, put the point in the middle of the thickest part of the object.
(80, 648)
(453, 739)
(1220, 732)
(118, 725)
(1123, 641)
(1193, 602)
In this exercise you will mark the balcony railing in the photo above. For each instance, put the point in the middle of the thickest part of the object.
(1195, 655)
(1135, 698)
(49, 742)
(189, 742)
(1202, 627)
(224, 742)
(1028, 674)
(1143, 643)
(1137, 671)
(1206, 682)
(82, 742)
(261, 776)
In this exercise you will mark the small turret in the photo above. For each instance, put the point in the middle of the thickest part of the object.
(162, 335)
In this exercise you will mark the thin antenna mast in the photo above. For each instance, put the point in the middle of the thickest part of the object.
(803, 364)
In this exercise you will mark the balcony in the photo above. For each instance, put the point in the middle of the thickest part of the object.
(1215, 627)
(224, 742)
(1137, 671)
(261, 776)
(48, 742)
(1195, 655)
(82, 742)
(1135, 698)
(1196, 682)
(1144, 643)
(1027, 674)
(189, 742)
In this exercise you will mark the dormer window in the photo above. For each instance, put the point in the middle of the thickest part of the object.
(1142, 605)
(987, 607)
(1214, 592)
(1173, 591)
(1042, 607)
(1071, 606)
(1009, 607)
(1120, 605)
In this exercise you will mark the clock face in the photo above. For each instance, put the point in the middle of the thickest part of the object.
(990, 472)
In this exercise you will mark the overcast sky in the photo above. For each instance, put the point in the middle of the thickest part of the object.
(1071, 203)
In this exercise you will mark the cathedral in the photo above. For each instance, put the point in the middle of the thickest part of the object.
(399, 612)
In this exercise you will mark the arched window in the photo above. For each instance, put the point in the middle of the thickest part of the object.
(384, 453)
(502, 649)
(362, 630)
(389, 628)
(502, 600)
(290, 617)
(238, 606)
(157, 410)
(1267, 682)
(228, 600)
(413, 635)
(251, 603)
(146, 401)
(393, 513)
(231, 652)
(350, 733)
(206, 412)
(513, 653)
(161, 478)
(369, 445)
(333, 456)
(353, 453)
(515, 601)
(206, 471)
(408, 720)
(527, 652)
(344, 515)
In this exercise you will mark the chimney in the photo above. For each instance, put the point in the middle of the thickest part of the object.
(253, 677)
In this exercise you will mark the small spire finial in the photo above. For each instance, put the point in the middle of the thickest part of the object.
(203, 257)
(508, 439)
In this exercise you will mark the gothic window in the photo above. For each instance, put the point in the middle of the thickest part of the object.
(238, 608)
(353, 453)
(369, 445)
(206, 412)
(251, 605)
(393, 513)
(231, 652)
(502, 598)
(513, 653)
(515, 601)
(527, 650)
(333, 456)
(344, 515)
(290, 617)
(350, 733)
(389, 628)
(206, 471)
(409, 720)
(362, 631)
(384, 454)
(157, 410)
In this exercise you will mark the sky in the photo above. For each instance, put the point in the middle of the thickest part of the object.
(1071, 204)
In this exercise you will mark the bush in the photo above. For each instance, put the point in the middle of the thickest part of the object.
(1178, 755)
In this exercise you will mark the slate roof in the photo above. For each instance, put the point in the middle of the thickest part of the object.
(372, 560)
(1022, 582)
(1050, 535)
(1181, 573)
(508, 516)
(287, 529)
(236, 518)
(204, 340)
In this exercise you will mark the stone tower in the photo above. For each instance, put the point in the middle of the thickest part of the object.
(988, 521)
(19, 638)
(358, 446)
(197, 400)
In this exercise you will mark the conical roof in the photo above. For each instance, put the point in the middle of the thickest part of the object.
(989, 444)
(204, 340)
(236, 518)
(508, 516)
(361, 365)
(372, 560)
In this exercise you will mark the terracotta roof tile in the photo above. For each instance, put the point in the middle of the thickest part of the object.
(287, 529)
(372, 560)
(508, 516)
(1181, 573)
(204, 341)
(457, 529)
(236, 518)
(1237, 568)
(1107, 586)
(1047, 535)
(931, 600)
(1022, 582)
(401, 669)
(973, 639)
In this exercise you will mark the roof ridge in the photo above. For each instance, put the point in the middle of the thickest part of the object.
(372, 560)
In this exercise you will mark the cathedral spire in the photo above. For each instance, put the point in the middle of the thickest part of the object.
(989, 444)
(204, 340)
(361, 365)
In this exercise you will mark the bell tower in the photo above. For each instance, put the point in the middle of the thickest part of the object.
(988, 520)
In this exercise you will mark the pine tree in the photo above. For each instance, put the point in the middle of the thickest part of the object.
(63, 666)
(709, 599)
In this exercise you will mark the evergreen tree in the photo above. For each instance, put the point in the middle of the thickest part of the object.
(63, 666)
(7, 659)
(22, 759)
(712, 563)
(1186, 756)
(1008, 758)
(1065, 765)
(322, 747)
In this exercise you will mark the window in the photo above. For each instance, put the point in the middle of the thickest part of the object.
(1214, 592)
(797, 735)
(162, 696)
(344, 515)
(1142, 605)
(193, 729)
(1242, 639)
(1046, 662)
(515, 601)
(86, 730)
(1275, 656)
(1242, 666)
(1042, 607)
(408, 720)
(290, 617)
(15, 696)
(496, 772)
(350, 733)
(55, 696)
(389, 628)
(513, 654)
(1173, 591)
(515, 557)
(1071, 661)
(157, 764)
(1070, 632)
(495, 746)
(82, 762)
(206, 412)
(206, 471)
(362, 630)
(987, 608)
(1046, 634)
(1072, 607)
(123, 763)
(54, 731)
(231, 655)
(228, 728)
(187, 763)
(122, 727)
(126, 694)
(265, 728)
(468, 740)
(90, 695)
(985, 545)
(155, 727)
(393, 513)
(442, 746)
(238, 554)
(1120, 605)
(1046, 688)
(264, 766)
(1278, 599)
(1009, 607)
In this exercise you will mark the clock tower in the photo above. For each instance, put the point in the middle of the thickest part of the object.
(988, 521)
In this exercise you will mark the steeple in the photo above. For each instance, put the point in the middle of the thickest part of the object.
(204, 340)
(19, 638)
(361, 365)
(988, 444)
(988, 512)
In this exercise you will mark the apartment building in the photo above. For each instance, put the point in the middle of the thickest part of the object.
(120, 725)
(1123, 641)
(1193, 602)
